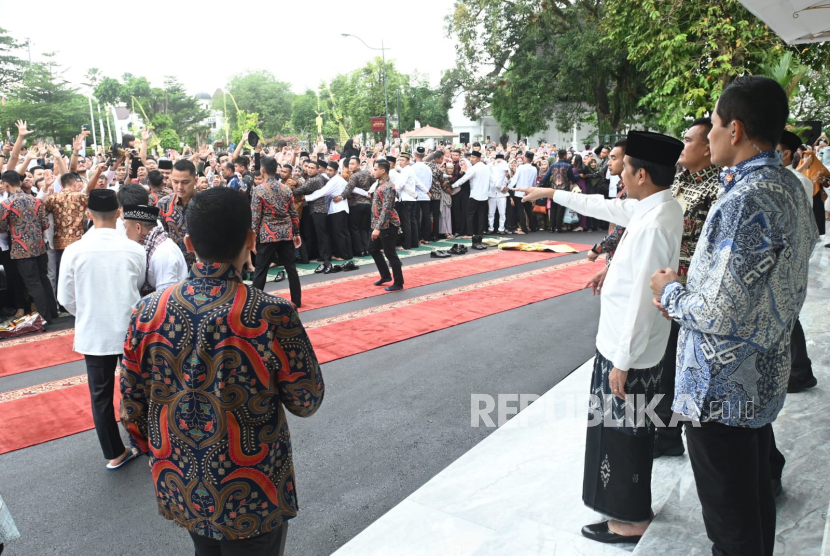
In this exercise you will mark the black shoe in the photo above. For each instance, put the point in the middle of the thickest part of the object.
(439, 254)
(393, 288)
(383, 281)
(458, 249)
(364, 254)
(349, 265)
(321, 269)
(280, 276)
(794, 387)
(777, 489)
(333, 269)
(599, 532)
(665, 446)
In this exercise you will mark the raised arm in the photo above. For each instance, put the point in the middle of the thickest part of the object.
(22, 131)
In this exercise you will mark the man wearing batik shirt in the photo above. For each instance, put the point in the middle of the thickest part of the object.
(277, 225)
(24, 219)
(360, 207)
(385, 226)
(68, 208)
(696, 189)
(561, 176)
(436, 190)
(158, 187)
(210, 366)
(745, 288)
(319, 210)
(173, 207)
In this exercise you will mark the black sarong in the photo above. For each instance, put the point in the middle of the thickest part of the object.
(618, 450)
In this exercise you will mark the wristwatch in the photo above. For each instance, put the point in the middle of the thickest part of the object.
(595, 249)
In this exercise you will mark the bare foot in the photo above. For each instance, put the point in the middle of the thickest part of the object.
(628, 529)
(19, 313)
(122, 457)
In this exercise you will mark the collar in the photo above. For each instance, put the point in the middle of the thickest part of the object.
(652, 201)
(216, 271)
(730, 176)
(708, 173)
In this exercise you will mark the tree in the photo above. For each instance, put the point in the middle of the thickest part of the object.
(531, 62)
(261, 92)
(45, 100)
(304, 114)
(169, 139)
(689, 50)
(11, 67)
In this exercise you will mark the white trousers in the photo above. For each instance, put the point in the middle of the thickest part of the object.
(494, 203)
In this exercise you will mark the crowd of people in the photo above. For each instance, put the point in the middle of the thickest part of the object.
(158, 248)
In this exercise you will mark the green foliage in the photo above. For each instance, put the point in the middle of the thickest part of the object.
(11, 66)
(689, 51)
(304, 114)
(261, 92)
(169, 139)
(245, 121)
(530, 63)
(53, 109)
(359, 96)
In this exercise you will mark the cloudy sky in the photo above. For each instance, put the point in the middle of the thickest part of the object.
(203, 43)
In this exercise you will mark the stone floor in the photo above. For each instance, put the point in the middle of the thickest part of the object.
(519, 490)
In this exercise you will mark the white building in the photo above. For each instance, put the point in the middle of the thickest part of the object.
(216, 118)
(488, 128)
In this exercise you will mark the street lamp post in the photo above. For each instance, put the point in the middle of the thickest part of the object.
(385, 94)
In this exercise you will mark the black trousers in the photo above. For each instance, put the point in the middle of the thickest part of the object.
(435, 209)
(818, 212)
(666, 388)
(323, 242)
(459, 218)
(360, 226)
(476, 216)
(731, 468)
(340, 234)
(100, 371)
(35, 274)
(524, 214)
(409, 222)
(425, 226)
(463, 199)
(15, 296)
(285, 251)
(308, 249)
(386, 242)
(802, 367)
(269, 544)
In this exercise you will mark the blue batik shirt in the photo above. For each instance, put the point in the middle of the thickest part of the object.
(747, 282)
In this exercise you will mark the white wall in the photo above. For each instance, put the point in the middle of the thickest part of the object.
(487, 125)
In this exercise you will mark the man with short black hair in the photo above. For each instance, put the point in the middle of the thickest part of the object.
(23, 217)
(99, 283)
(318, 211)
(277, 225)
(385, 225)
(360, 206)
(632, 337)
(241, 359)
(525, 176)
(158, 190)
(746, 285)
(173, 207)
(479, 177)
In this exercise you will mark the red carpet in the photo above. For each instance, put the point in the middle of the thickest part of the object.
(326, 294)
(29, 354)
(56, 410)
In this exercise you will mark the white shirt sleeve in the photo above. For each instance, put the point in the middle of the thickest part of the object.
(167, 267)
(324, 191)
(597, 206)
(66, 282)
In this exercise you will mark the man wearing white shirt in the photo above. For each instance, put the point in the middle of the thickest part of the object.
(99, 283)
(338, 215)
(166, 265)
(479, 178)
(524, 177)
(632, 336)
(408, 186)
(497, 197)
(424, 174)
